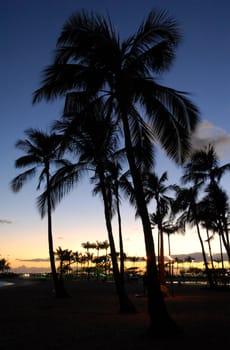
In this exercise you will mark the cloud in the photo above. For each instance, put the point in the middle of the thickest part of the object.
(3, 221)
(206, 134)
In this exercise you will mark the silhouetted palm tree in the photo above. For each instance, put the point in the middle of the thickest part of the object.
(220, 212)
(65, 257)
(155, 188)
(76, 260)
(207, 219)
(40, 152)
(92, 60)
(204, 167)
(4, 265)
(88, 245)
(116, 181)
(94, 140)
(105, 245)
(186, 203)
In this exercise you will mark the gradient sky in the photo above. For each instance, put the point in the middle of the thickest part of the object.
(28, 31)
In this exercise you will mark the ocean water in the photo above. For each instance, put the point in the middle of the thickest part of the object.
(5, 284)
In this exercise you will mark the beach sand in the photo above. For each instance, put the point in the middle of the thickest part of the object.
(32, 318)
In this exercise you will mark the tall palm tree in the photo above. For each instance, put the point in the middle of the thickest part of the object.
(92, 60)
(94, 139)
(115, 180)
(207, 219)
(219, 209)
(155, 188)
(40, 151)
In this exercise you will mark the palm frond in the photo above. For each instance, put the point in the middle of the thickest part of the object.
(57, 79)
(28, 160)
(172, 117)
(19, 181)
(152, 47)
(61, 183)
(142, 139)
(93, 37)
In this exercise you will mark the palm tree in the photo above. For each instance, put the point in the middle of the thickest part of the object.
(4, 265)
(156, 189)
(65, 257)
(40, 152)
(115, 180)
(105, 245)
(92, 60)
(168, 227)
(88, 245)
(203, 166)
(186, 203)
(206, 217)
(98, 247)
(219, 209)
(77, 260)
(101, 260)
(94, 139)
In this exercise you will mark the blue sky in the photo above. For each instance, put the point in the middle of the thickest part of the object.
(28, 31)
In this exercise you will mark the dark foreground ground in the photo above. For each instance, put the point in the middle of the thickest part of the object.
(32, 318)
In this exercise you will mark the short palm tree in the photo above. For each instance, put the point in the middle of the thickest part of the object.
(4, 265)
(105, 246)
(203, 168)
(186, 203)
(41, 151)
(65, 257)
(89, 245)
(92, 60)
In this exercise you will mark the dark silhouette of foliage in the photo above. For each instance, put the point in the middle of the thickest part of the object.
(91, 61)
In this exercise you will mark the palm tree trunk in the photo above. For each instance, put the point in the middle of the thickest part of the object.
(221, 253)
(58, 284)
(161, 322)
(162, 262)
(122, 267)
(210, 249)
(126, 306)
(209, 276)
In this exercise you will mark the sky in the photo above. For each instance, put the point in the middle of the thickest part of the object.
(28, 33)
